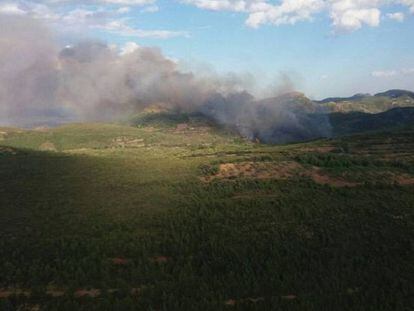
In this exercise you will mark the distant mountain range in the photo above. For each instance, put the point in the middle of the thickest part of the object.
(396, 93)
(367, 103)
(291, 117)
(392, 94)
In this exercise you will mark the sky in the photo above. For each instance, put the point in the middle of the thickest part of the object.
(326, 47)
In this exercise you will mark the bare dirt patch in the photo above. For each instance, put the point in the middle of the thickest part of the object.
(79, 151)
(9, 292)
(404, 179)
(54, 292)
(320, 149)
(234, 302)
(182, 127)
(47, 146)
(93, 293)
(7, 150)
(322, 178)
(29, 307)
(43, 128)
(3, 135)
(6, 293)
(257, 170)
(127, 142)
(275, 170)
(120, 261)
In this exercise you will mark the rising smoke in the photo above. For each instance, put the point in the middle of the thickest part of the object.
(43, 83)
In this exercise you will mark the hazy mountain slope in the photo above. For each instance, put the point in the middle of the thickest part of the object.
(370, 104)
(396, 94)
(343, 99)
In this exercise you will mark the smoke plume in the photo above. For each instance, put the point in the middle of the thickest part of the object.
(40, 82)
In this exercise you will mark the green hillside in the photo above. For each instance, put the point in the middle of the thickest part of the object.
(178, 215)
(372, 104)
(369, 104)
(357, 122)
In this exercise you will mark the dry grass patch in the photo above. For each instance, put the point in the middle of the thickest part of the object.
(127, 142)
(7, 150)
(320, 149)
(322, 178)
(120, 261)
(9, 292)
(93, 293)
(257, 170)
(404, 179)
(275, 170)
(47, 146)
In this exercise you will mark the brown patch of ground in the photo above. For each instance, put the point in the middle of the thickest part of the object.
(79, 150)
(9, 292)
(149, 129)
(93, 293)
(120, 261)
(53, 292)
(404, 179)
(304, 232)
(320, 149)
(47, 146)
(233, 302)
(321, 178)
(275, 170)
(182, 127)
(41, 128)
(185, 128)
(127, 142)
(7, 150)
(230, 302)
(135, 291)
(6, 293)
(257, 170)
(29, 307)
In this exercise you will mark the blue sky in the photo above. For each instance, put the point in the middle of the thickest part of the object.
(327, 47)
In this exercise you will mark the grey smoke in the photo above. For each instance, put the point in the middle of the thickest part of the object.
(90, 81)
(288, 117)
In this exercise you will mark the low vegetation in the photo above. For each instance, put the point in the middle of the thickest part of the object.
(109, 217)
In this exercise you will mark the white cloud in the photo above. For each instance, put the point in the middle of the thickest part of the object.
(346, 15)
(128, 48)
(103, 18)
(36, 10)
(150, 9)
(288, 12)
(11, 9)
(123, 10)
(119, 27)
(119, 2)
(128, 2)
(351, 15)
(409, 3)
(398, 16)
(407, 71)
(392, 73)
(384, 73)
